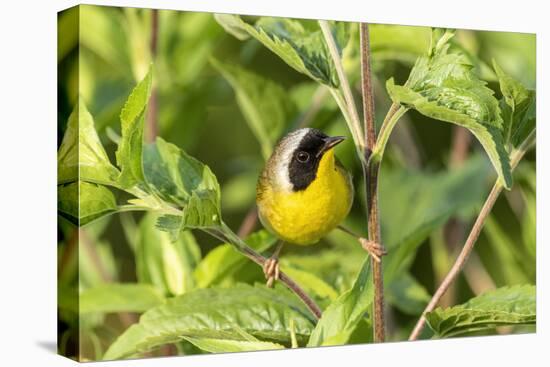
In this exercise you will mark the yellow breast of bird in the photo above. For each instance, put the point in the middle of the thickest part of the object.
(303, 217)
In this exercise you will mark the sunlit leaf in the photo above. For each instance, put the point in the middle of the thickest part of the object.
(227, 345)
(300, 44)
(81, 154)
(503, 306)
(165, 263)
(184, 182)
(442, 86)
(343, 315)
(119, 297)
(264, 103)
(82, 202)
(310, 282)
(217, 313)
(132, 116)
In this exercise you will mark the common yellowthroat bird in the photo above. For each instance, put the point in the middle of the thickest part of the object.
(304, 192)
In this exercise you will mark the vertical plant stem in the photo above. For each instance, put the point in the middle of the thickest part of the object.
(460, 261)
(366, 89)
(370, 171)
(152, 111)
(352, 117)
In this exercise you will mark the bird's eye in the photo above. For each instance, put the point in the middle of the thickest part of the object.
(302, 157)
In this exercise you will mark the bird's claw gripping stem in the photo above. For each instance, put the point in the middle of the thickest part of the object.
(271, 270)
(376, 250)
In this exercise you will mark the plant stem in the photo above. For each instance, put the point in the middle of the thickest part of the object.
(460, 261)
(226, 234)
(367, 91)
(370, 172)
(394, 114)
(352, 117)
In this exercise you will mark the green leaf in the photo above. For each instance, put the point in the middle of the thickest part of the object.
(159, 261)
(225, 260)
(299, 43)
(407, 295)
(216, 313)
(82, 202)
(343, 315)
(442, 86)
(181, 180)
(503, 306)
(265, 105)
(519, 107)
(81, 155)
(436, 197)
(115, 297)
(132, 116)
(228, 345)
(309, 281)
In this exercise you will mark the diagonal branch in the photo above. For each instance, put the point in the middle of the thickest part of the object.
(226, 234)
(460, 261)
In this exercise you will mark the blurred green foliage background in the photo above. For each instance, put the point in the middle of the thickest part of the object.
(431, 167)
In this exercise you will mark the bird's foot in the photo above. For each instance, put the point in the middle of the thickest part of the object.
(271, 270)
(376, 250)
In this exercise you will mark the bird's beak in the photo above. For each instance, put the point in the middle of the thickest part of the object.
(330, 143)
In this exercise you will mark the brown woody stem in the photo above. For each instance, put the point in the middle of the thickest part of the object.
(226, 234)
(370, 172)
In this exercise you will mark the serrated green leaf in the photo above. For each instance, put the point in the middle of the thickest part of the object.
(132, 116)
(519, 107)
(265, 104)
(298, 43)
(82, 202)
(342, 316)
(503, 306)
(217, 313)
(166, 264)
(81, 154)
(181, 180)
(407, 295)
(119, 297)
(442, 86)
(225, 260)
(227, 345)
